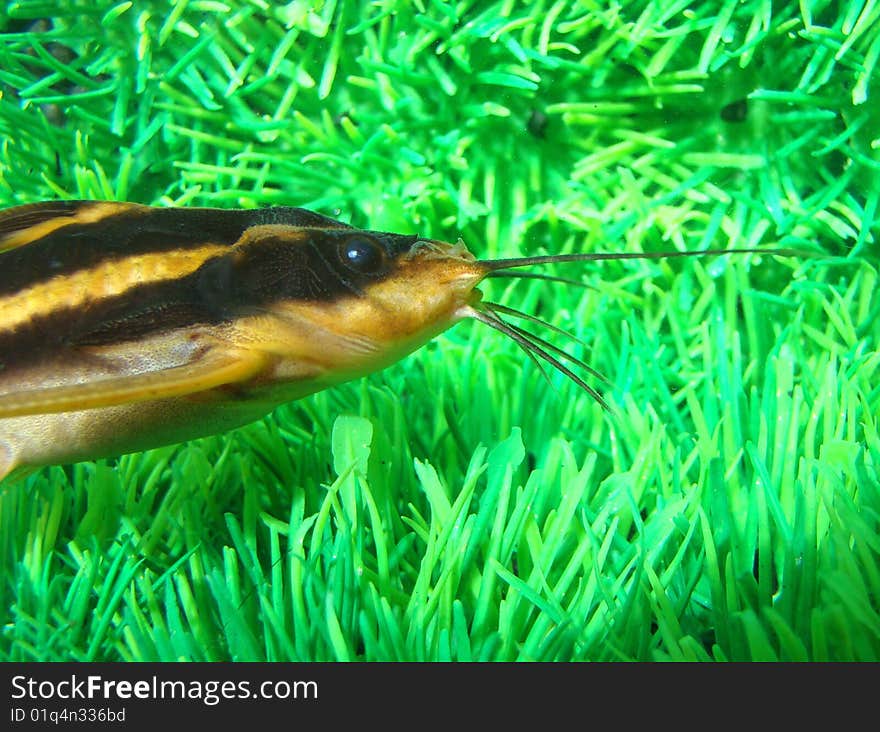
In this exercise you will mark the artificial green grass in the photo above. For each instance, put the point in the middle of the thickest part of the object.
(457, 506)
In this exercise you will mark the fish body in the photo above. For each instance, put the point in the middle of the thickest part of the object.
(125, 327)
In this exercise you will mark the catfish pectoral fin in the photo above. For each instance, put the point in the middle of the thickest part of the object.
(213, 369)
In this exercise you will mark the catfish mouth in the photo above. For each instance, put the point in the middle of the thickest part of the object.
(539, 350)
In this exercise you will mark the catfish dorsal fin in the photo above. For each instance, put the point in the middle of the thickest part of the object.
(23, 224)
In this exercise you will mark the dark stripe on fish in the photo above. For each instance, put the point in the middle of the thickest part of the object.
(136, 230)
(302, 265)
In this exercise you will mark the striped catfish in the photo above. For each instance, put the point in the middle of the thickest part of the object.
(124, 327)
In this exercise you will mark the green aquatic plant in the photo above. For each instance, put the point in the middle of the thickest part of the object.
(458, 506)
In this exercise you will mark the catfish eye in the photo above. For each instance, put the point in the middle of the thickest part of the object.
(362, 255)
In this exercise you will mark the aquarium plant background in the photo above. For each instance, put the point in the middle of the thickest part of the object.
(459, 506)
